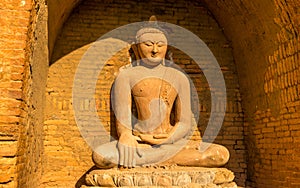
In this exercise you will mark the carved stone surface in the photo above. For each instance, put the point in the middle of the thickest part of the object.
(161, 177)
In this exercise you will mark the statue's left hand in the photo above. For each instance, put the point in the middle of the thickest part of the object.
(154, 140)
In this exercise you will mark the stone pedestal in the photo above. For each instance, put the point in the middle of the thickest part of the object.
(197, 177)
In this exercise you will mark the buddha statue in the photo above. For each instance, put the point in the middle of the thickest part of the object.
(157, 90)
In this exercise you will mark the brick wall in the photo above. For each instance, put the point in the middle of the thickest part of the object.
(67, 156)
(14, 20)
(35, 74)
(275, 130)
(24, 64)
(267, 59)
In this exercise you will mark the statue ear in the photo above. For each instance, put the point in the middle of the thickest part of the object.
(169, 57)
(134, 54)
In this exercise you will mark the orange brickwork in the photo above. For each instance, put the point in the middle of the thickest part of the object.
(14, 22)
(274, 132)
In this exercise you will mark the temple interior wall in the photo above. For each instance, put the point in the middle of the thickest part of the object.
(24, 69)
(255, 43)
(265, 44)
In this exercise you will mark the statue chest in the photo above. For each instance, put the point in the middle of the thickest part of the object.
(154, 88)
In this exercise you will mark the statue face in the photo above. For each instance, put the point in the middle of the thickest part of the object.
(152, 48)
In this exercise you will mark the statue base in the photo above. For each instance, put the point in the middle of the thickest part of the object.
(162, 177)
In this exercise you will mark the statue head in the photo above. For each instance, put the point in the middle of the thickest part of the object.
(151, 43)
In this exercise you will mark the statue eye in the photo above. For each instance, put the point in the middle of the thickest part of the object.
(148, 44)
(160, 44)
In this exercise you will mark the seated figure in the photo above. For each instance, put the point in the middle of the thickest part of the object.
(155, 89)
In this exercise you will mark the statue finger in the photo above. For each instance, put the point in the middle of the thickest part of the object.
(134, 162)
(160, 136)
(126, 156)
(121, 149)
(130, 156)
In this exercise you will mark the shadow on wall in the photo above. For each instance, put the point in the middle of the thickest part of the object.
(93, 18)
(81, 180)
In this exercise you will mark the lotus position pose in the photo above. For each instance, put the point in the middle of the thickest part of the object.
(155, 89)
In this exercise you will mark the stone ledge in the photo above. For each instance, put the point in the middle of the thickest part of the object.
(161, 177)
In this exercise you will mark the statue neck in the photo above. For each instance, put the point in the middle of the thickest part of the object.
(142, 63)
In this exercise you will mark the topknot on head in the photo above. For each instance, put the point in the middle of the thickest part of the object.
(153, 18)
(151, 26)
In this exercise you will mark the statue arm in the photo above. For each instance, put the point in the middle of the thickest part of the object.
(122, 105)
(183, 113)
(127, 144)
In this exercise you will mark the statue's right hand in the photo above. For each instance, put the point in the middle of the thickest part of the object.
(127, 147)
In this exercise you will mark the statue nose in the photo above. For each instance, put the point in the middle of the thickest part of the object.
(154, 49)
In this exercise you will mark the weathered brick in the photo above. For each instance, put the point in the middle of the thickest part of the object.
(10, 111)
(8, 148)
(267, 130)
(9, 119)
(294, 127)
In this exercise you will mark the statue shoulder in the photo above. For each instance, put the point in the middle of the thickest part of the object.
(124, 67)
(122, 75)
(180, 76)
(126, 73)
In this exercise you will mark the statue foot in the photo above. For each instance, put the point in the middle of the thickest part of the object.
(214, 156)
